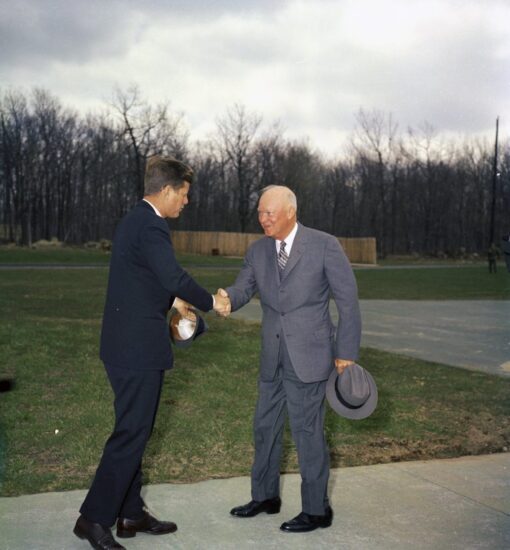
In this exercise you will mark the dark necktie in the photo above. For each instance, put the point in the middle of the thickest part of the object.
(282, 256)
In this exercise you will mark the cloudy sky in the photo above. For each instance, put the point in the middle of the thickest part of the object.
(310, 64)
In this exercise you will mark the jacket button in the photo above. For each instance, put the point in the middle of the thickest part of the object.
(278, 336)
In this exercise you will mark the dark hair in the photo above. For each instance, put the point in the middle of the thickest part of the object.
(162, 171)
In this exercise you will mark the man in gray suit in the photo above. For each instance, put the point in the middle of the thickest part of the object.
(295, 269)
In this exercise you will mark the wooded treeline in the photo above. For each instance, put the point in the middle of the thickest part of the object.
(72, 177)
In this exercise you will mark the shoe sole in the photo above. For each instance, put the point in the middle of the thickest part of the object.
(131, 534)
(269, 512)
(126, 534)
(83, 536)
(305, 530)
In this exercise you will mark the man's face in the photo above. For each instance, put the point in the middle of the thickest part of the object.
(276, 217)
(175, 200)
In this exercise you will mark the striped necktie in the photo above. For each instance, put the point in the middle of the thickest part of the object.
(282, 256)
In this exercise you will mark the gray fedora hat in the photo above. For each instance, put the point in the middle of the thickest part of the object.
(352, 394)
(183, 330)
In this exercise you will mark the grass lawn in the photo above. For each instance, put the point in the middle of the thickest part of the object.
(49, 255)
(467, 282)
(445, 283)
(442, 283)
(49, 332)
(69, 255)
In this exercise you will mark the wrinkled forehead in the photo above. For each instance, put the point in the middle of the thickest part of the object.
(272, 201)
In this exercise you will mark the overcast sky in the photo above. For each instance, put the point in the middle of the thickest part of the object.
(310, 64)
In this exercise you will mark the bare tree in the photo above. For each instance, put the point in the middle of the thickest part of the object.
(74, 177)
(237, 130)
(374, 144)
(148, 130)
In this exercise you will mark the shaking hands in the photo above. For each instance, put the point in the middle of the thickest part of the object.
(222, 304)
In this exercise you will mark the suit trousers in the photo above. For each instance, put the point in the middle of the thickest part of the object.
(304, 403)
(115, 490)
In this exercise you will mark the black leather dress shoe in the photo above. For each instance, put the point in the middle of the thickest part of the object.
(304, 522)
(100, 537)
(127, 528)
(254, 507)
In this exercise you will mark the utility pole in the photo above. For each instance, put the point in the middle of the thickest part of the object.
(494, 182)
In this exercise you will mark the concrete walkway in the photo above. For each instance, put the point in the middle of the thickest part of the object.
(472, 334)
(449, 504)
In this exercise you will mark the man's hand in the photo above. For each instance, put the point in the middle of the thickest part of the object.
(222, 303)
(342, 364)
(185, 309)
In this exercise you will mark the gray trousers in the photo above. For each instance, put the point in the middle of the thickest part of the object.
(304, 403)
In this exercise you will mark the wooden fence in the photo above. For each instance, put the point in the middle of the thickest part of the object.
(358, 250)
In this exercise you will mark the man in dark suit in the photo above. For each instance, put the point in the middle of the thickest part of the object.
(295, 270)
(144, 280)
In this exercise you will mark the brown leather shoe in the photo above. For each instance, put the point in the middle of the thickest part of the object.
(100, 537)
(127, 528)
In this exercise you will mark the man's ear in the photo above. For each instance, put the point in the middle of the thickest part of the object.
(167, 190)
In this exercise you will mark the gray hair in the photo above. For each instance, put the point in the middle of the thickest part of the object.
(289, 194)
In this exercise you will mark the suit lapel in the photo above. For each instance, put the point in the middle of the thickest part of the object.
(272, 258)
(298, 247)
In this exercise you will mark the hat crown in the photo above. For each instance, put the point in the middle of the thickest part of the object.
(353, 385)
(352, 394)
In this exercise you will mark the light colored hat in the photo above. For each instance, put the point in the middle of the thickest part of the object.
(183, 330)
(352, 394)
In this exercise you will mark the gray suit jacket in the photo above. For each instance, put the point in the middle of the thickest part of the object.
(297, 306)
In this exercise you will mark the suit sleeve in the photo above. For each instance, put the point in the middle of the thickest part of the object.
(245, 286)
(344, 290)
(160, 257)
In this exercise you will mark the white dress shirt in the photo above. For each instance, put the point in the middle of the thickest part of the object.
(289, 241)
(154, 208)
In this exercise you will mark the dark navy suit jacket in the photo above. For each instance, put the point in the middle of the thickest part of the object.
(144, 279)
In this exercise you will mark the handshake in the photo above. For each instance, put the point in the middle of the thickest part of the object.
(221, 306)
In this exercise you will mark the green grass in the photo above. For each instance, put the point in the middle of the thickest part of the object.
(69, 255)
(468, 282)
(65, 255)
(431, 260)
(49, 332)
(443, 283)
(448, 283)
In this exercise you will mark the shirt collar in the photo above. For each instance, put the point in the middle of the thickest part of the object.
(154, 208)
(289, 240)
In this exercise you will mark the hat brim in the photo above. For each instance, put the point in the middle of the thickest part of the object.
(343, 408)
(200, 328)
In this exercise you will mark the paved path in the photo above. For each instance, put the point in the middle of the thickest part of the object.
(472, 334)
(455, 504)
